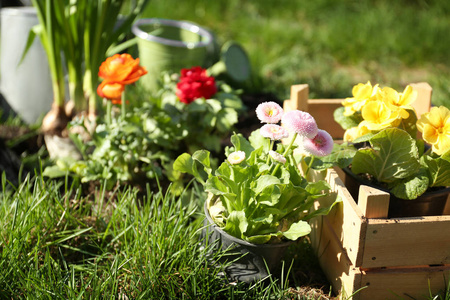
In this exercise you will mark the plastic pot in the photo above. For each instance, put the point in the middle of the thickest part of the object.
(169, 45)
(250, 262)
(431, 203)
(27, 86)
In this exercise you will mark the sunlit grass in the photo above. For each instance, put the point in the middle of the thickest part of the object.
(331, 45)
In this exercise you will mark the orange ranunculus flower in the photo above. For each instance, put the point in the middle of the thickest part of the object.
(111, 90)
(121, 68)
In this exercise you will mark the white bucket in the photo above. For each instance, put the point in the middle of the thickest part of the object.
(26, 87)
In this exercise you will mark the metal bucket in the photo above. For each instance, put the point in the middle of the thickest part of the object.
(169, 45)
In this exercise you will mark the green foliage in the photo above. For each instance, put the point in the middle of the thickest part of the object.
(264, 200)
(145, 143)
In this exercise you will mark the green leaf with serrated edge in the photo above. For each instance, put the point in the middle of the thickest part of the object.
(394, 155)
(438, 170)
(346, 122)
(411, 187)
(297, 230)
(236, 224)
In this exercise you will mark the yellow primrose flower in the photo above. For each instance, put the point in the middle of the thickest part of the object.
(361, 94)
(378, 116)
(399, 101)
(355, 132)
(435, 128)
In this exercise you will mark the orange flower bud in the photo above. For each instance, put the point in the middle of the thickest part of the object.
(111, 90)
(121, 68)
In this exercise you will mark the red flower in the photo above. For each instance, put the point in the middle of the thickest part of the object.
(195, 83)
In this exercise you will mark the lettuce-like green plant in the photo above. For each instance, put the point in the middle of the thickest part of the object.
(259, 194)
(394, 157)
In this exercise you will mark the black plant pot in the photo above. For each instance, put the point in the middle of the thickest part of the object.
(431, 203)
(249, 262)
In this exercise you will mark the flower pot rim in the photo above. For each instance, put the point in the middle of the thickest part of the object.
(173, 23)
(18, 11)
(240, 241)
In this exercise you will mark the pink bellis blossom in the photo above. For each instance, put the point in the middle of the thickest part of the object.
(277, 156)
(320, 145)
(274, 132)
(236, 157)
(269, 112)
(301, 123)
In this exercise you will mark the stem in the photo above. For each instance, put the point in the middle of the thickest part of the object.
(309, 165)
(123, 108)
(285, 153)
(108, 111)
(271, 143)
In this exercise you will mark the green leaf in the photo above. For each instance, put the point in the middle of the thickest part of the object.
(394, 155)
(184, 163)
(236, 224)
(265, 181)
(258, 141)
(412, 187)
(259, 239)
(54, 172)
(226, 118)
(202, 156)
(241, 144)
(298, 229)
(346, 122)
(439, 170)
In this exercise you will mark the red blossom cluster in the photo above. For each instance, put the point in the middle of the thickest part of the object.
(195, 83)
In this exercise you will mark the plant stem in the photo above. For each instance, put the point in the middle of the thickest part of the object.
(284, 154)
(108, 111)
(123, 108)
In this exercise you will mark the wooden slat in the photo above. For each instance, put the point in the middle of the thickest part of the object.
(407, 241)
(407, 283)
(374, 203)
(423, 100)
(347, 221)
(322, 110)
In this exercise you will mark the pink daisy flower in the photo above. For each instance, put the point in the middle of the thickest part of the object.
(269, 112)
(300, 122)
(277, 156)
(274, 132)
(320, 145)
(236, 157)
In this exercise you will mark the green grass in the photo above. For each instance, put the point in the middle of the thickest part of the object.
(331, 45)
(58, 244)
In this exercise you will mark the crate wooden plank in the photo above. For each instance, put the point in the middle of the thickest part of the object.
(407, 241)
(347, 220)
(403, 283)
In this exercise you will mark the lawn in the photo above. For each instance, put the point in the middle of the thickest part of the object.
(60, 239)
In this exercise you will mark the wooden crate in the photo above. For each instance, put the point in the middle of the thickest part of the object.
(358, 247)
